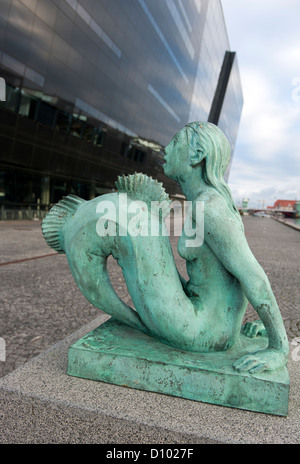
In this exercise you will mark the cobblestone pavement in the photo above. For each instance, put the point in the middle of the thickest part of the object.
(40, 303)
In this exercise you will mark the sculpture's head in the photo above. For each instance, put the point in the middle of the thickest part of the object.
(198, 143)
(208, 143)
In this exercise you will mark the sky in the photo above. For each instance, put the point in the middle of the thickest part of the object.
(266, 36)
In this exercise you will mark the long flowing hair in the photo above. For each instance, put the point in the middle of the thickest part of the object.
(209, 139)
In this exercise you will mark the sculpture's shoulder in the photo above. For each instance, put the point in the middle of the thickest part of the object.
(213, 202)
(217, 212)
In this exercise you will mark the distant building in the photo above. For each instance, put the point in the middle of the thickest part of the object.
(245, 203)
(95, 88)
(287, 205)
(289, 208)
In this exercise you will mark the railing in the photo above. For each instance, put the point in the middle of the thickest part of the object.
(22, 213)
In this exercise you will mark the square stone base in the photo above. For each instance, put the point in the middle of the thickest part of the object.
(116, 354)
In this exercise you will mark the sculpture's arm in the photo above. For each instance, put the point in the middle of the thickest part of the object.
(225, 237)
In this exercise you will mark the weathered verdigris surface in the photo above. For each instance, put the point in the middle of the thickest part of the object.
(115, 353)
(204, 314)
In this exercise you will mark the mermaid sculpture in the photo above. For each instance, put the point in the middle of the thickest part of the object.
(205, 313)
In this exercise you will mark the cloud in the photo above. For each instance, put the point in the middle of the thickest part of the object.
(266, 161)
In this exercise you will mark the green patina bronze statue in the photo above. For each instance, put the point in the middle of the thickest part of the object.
(202, 316)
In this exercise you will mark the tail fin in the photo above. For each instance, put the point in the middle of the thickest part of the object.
(142, 187)
(53, 223)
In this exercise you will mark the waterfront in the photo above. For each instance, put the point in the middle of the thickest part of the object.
(295, 221)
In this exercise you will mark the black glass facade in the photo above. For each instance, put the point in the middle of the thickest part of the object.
(95, 88)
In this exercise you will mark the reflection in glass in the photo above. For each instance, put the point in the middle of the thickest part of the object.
(88, 132)
(76, 127)
(77, 84)
(63, 121)
(231, 110)
(46, 114)
(28, 105)
(12, 98)
(98, 137)
(163, 39)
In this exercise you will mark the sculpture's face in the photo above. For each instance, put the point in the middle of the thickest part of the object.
(176, 158)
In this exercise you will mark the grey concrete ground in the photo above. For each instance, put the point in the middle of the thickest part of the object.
(41, 404)
(40, 304)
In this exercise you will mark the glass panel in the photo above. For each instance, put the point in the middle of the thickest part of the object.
(63, 121)
(19, 189)
(2, 185)
(46, 11)
(99, 137)
(12, 98)
(28, 105)
(46, 114)
(76, 127)
(124, 149)
(139, 155)
(88, 132)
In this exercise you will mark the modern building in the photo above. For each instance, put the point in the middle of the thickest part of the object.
(96, 88)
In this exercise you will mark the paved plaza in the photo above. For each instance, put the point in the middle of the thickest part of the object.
(40, 303)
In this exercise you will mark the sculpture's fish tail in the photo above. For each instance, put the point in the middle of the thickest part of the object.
(142, 187)
(53, 223)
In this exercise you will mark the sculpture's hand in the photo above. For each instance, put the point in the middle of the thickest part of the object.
(264, 360)
(252, 329)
